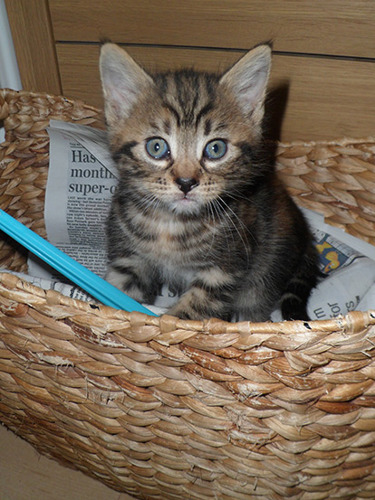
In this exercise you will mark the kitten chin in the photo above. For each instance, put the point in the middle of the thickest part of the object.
(198, 205)
(189, 204)
(185, 206)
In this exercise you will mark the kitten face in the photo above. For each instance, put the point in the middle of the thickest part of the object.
(180, 139)
(182, 166)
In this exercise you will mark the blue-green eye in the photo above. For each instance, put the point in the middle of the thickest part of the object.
(216, 149)
(157, 148)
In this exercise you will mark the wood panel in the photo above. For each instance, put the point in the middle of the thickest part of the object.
(326, 98)
(335, 27)
(34, 45)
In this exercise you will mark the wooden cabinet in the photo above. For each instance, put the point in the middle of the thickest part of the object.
(323, 77)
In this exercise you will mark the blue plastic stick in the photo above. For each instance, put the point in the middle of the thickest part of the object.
(71, 269)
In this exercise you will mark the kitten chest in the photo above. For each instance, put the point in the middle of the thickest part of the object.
(172, 243)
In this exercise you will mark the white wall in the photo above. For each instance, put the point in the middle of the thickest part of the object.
(9, 74)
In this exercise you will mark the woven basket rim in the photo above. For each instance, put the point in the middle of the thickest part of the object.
(7, 93)
(28, 293)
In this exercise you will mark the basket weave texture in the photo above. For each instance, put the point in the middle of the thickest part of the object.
(166, 408)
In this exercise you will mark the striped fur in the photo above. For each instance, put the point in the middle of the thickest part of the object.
(222, 232)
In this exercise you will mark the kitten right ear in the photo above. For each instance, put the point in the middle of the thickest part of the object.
(122, 81)
(247, 80)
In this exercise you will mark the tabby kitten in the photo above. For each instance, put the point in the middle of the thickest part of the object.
(198, 206)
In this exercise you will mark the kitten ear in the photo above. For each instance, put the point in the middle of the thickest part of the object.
(122, 81)
(247, 80)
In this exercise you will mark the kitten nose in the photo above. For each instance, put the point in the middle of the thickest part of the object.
(186, 184)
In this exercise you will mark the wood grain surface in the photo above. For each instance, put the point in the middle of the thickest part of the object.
(34, 44)
(335, 27)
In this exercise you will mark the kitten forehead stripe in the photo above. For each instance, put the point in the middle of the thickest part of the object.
(167, 126)
(203, 112)
(174, 112)
(207, 127)
(187, 86)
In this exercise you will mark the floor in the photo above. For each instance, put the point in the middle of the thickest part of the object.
(26, 475)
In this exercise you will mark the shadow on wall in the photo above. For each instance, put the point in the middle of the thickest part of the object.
(275, 107)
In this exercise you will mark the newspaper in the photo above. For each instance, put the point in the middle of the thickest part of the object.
(81, 180)
(348, 267)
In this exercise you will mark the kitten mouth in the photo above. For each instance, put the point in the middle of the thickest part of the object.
(185, 204)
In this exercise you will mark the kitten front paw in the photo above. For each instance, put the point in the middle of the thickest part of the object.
(179, 312)
(198, 314)
(124, 283)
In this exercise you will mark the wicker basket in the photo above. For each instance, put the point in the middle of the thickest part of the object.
(169, 409)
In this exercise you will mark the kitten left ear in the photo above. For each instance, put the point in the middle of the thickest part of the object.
(123, 80)
(247, 80)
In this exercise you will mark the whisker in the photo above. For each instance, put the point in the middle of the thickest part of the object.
(148, 202)
(214, 233)
(222, 219)
(230, 213)
(225, 224)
